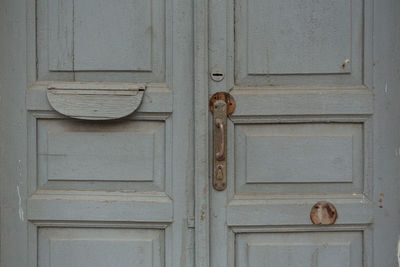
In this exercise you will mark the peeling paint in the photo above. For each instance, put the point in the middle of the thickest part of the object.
(397, 151)
(20, 210)
(398, 252)
(314, 258)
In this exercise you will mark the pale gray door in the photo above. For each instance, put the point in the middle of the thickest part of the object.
(316, 89)
(86, 192)
(306, 129)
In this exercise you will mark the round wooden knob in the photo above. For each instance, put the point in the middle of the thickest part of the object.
(323, 212)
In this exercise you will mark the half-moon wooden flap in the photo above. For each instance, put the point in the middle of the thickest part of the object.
(95, 101)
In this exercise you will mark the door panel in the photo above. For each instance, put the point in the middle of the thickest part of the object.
(100, 247)
(299, 158)
(102, 40)
(121, 155)
(301, 132)
(299, 43)
(299, 249)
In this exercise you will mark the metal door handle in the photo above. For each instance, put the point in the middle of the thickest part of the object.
(220, 155)
(221, 105)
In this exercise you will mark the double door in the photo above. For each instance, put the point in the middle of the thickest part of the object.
(241, 133)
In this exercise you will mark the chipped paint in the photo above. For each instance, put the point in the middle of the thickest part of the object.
(381, 196)
(20, 209)
(398, 252)
(314, 258)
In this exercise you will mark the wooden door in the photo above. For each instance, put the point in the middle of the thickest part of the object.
(302, 75)
(88, 192)
(315, 84)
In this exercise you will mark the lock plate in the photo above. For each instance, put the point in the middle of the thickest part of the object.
(229, 100)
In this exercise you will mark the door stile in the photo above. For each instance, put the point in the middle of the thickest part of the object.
(201, 137)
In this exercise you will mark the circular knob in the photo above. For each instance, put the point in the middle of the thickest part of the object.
(323, 212)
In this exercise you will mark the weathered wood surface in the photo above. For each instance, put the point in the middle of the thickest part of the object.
(95, 101)
(120, 191)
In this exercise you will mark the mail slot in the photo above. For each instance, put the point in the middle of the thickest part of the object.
(95, 101)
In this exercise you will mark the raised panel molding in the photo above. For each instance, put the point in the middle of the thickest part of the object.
(309, 43)
(299, 158)
(83, 247)
(299, 249)
(77, 151)
(285, 37)
(93, 40)
(132, 155)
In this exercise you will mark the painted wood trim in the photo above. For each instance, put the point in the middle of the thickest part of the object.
(201, 167)
(302, 102)
(258, 212)
(99, 207)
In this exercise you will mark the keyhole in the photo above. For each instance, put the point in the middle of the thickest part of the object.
(217, 75)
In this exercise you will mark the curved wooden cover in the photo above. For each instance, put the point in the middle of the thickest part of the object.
(95, 101)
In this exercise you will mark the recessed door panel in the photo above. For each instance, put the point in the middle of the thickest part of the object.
(83, 247)
(90, 40)
(73, 153)
(299, 158)
(299, 249)
(298, 43)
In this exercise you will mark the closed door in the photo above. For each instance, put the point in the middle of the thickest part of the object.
(112, 154)
(299, 166)
(99, 160)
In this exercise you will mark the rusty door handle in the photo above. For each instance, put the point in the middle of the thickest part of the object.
(220, 155)
(221, 106)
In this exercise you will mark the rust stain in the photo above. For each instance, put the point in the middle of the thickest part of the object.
(381, 196)
(323, 212)
(225, 97)
(203, 213)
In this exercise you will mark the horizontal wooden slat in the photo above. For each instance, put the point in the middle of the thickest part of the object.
(124, 207)
(296, 211)
(258, 102)
(157, 97)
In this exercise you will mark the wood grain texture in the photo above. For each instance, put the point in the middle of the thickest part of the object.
(99, 206)
(312, 43)
(95, 101)
(119, 41)
(82, 247)
(113, 35)
(281, 74)
(168, 71)
(71, 151)
(316, 249)
(308, 35)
